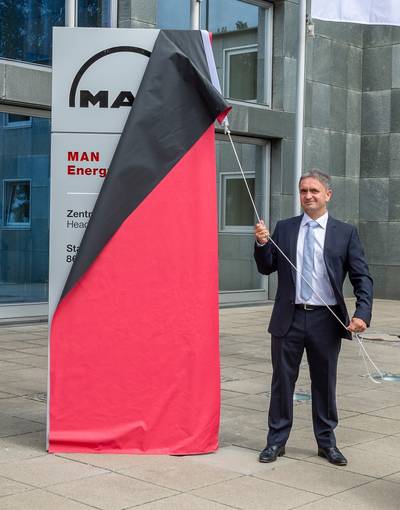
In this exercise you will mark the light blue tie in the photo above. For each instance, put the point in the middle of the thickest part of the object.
(308, 260)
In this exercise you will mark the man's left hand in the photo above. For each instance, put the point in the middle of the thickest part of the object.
(357, 325)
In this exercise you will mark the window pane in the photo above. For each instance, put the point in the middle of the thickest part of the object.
(17, 204)
(227, 16)
(173, 14)
(238, 208)
(237, 25)
(11, 118)
(24, 210)
(26, 28)
(94, 13)
(243, 75)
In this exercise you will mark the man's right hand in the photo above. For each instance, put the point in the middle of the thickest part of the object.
(261, 233)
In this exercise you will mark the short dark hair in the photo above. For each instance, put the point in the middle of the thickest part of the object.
(322, 177)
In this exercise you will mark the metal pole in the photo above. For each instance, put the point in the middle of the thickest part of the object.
(298, 150)
(114, 14)
(70, 13)
(195, 14)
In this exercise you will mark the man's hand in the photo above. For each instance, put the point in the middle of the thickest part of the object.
(357, 325)
(261, 232)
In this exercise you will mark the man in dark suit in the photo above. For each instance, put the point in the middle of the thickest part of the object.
(324, 250)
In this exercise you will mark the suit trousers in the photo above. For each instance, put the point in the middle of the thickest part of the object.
(318, 332)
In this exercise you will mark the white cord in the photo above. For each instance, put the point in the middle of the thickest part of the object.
(363, 351)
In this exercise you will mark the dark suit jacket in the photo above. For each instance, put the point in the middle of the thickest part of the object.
(343, 255)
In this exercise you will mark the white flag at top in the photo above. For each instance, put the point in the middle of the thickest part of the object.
(371, 12)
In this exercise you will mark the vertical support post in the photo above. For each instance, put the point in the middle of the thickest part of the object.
(70, 13)
(114, 13)
(195, 14)
(298, 151)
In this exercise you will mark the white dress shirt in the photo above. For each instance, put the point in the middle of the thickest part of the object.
(320, 279)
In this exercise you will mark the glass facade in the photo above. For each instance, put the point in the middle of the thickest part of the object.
(94, 13)
(173, 14)
(26, 28)
(24, 208)
(241, 44)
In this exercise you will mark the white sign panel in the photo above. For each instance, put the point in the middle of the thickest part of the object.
(96, 76)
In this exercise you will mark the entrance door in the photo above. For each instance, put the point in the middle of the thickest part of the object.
(239, 280)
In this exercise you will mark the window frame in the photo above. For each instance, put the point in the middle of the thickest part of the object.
(16, 226)
(18, 124)
(223, 227)
(227, 53)
(268, 52)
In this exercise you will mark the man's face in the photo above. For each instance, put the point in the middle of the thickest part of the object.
(314, 196)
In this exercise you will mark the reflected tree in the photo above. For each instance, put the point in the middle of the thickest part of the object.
(26, 28)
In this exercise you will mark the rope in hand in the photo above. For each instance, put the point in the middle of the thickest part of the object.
(363, 352)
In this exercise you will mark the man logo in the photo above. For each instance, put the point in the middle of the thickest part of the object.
(124, 98)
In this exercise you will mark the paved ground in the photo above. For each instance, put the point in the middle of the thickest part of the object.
(369, 434)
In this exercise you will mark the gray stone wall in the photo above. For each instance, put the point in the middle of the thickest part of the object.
(380, 158)
(284, 100)
(352, 130)
(332, 136)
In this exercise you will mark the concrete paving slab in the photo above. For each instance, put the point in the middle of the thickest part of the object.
(21, 407)
(379, 494)
(392, 412)
(228, 412)
(251, 386)
(257, 419)
(227, 395)
(36, 351)
(389, 445)
(111, 491)
(245, 437)
(238, 460)
(178, 474)
(26, 360)
(15, 356)
(16, 448)
(40, 500)
(238, 374)
(318, 479)
(12, 426)
(361, 403)
(184, 502)
(5, 395)
(372, 423)
(345, 436)
(261, 367)
(254, 402)
(364, 462)
(249, 493)
(46, 470)
(8, 487)
(395, 478)
(233, 361)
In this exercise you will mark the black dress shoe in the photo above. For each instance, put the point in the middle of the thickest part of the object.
(334, 455)
(271, 452)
